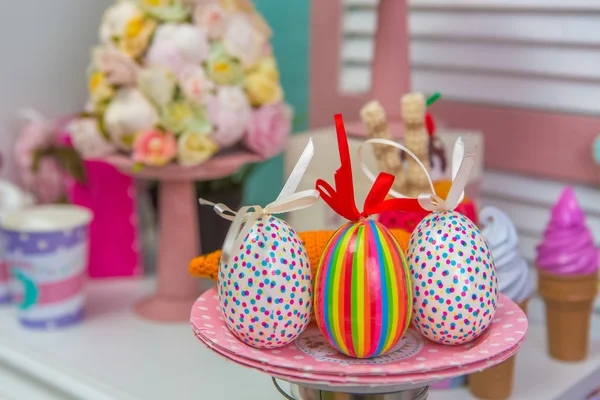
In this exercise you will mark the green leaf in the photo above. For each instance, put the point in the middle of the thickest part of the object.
(38, 154)
(70, 161)
(137, 167)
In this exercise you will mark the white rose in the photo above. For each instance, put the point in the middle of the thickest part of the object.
(195, 85)
(233, 98)
(158, 84)
(242, 40)
(88, 140)
(115, 19)
(191, 41)
(127, 114)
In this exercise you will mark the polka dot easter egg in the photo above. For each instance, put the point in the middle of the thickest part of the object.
(362, 290)
(453, 278)
(265, 290)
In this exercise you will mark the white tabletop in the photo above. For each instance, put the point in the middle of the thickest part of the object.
(116, 355)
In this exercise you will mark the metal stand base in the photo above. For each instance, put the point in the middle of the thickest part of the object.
(308, 393)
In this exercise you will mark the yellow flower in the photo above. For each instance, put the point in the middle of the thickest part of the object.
(136, 35)
(165, 10)
(154, 3)
(194, 148)
(262, 89)
(101, 91)
(222, 69)
(95, 81)
(267, 66)
(180, 116)
(237, 5)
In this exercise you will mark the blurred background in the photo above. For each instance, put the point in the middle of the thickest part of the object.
(519, 81)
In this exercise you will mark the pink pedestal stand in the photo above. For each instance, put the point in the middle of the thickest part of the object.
(316, 370)
(178, 235)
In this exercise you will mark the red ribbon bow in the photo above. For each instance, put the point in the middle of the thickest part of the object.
(342, 201)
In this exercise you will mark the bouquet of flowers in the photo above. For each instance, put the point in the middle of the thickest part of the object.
(179, 80)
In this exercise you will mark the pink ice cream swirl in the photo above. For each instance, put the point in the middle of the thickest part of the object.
(568, 246)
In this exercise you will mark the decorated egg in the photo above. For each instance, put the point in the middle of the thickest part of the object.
(453, 279)
(362, 290)
(265, 289)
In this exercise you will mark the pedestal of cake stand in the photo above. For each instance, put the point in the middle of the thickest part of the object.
(178, 230)
(402, 392)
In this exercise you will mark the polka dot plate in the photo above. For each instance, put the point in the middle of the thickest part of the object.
(310, 377)
(310, 352)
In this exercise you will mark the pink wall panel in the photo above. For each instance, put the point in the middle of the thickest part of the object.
(391, 68)
(543, 143)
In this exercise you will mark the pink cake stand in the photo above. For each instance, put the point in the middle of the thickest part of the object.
(316, 370)
(178, 224)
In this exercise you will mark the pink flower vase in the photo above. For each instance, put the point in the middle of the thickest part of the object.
(114, 244)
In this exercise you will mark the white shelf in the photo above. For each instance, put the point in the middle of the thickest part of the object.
(114, 355)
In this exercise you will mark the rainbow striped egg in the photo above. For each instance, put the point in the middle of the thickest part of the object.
(362, 290)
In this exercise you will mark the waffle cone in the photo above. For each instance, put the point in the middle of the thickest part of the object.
(569, 300)
(523, 305)
(495, 383)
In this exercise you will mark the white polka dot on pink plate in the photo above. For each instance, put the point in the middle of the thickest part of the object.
(413, 353)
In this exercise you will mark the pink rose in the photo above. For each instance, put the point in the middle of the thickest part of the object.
(165, 54)
(269, 129)
(229, 112)
(119, 68)
(212, 18)
(35, 135)
(194, 84)
(154, 148)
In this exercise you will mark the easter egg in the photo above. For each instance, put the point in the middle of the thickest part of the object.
(453, 278)
(362, 290)
(265, 290)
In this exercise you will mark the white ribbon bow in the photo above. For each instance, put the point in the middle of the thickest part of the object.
(288, 200)
(462, 165)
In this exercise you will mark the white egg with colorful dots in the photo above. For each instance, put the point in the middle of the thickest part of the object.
(265, 290)
(453, 277)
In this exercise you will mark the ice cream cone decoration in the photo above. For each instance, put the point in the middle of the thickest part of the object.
(514, 281)
(207, 266)
(567, 260)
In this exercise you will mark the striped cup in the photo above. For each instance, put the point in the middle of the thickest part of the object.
(46, 250)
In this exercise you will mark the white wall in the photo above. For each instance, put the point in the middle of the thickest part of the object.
(45, 52)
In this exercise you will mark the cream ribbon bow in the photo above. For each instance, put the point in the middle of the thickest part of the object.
(288, 200)
(462, 165)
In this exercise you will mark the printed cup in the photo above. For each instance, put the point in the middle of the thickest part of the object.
(11, 198)
(46, 251)
(4, 281)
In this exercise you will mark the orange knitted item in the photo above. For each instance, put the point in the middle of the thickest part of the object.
(207, 266)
